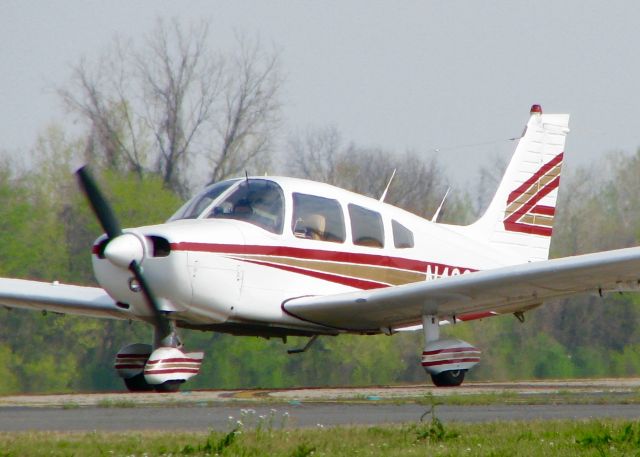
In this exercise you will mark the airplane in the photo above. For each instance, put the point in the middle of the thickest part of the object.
(277, 257)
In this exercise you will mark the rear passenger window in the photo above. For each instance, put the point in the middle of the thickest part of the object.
(402, 236)
(366, 227)
(317, 218)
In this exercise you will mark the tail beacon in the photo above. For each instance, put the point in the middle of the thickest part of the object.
(519, 219)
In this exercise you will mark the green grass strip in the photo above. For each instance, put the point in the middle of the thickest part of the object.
(431, 437)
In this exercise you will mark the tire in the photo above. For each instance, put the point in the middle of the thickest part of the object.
(168, 386)
(138, 384)
(450, 378)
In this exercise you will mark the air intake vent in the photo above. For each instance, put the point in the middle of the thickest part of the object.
(161, 246)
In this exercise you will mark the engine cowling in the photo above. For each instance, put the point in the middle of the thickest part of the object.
(449, 355)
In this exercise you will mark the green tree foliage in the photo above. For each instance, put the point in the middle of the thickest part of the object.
(152, 110)
(47, 234)
(583, 336)
(48, 231)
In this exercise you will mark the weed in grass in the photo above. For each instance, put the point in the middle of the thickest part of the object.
(435, 431)
(70, 405)
(604, 438)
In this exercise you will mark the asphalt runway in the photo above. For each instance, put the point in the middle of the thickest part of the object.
(224, 418)
(316, 407)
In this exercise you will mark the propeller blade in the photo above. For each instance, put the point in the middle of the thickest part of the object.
(100, 206)
(160, 321)
(107, 218)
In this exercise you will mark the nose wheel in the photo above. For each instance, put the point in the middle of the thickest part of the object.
(451, 378)
(137, 383)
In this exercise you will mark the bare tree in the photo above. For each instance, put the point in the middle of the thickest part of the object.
(251, 110)
(173, 101)
(100, 100)
(488, 181)
(180, 83)
(314, 154)
(418, 186)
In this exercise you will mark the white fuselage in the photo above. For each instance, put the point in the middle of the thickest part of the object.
(222, 269)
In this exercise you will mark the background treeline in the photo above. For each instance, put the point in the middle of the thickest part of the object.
(159, 119)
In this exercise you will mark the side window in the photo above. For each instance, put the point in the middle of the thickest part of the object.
(366, 227)
(317, 218)
(402, 236)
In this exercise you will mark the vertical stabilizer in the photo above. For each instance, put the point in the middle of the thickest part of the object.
(520, 217)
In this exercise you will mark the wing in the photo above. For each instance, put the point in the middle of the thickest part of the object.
(500, 290)
(60, 298)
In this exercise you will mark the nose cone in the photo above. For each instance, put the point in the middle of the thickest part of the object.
(124, 249)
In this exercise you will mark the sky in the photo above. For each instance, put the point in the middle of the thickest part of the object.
(452, 78)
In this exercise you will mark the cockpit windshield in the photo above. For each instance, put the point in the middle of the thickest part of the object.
(257, 201)
(194, 207)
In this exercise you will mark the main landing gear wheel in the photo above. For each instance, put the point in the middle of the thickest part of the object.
(449, 378)
(168, 386)
(137, 383)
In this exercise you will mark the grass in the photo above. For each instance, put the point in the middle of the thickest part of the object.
(481, 399)
(70, 405)
(120, 403)
(431, 437)
(515, 398)
(468, 399)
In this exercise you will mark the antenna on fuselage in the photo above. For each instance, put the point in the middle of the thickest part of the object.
(384, 194)
(437, 213)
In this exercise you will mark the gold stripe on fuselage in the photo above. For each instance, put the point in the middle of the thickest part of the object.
(379, 274)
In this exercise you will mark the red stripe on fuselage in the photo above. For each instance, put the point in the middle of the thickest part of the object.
(316, 254)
